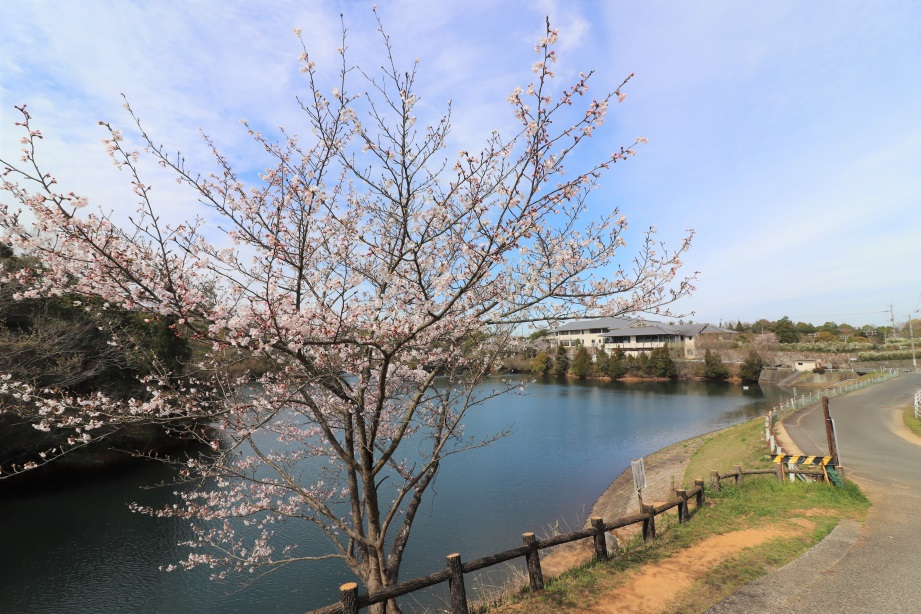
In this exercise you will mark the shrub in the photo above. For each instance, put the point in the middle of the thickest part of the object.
(541, 364)
(561, 362)
(581, 363)
(601, 362)
(713, 367)
(751, 368)
(662, 364)
(617, 364)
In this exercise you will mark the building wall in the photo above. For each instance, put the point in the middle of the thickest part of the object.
(630, 346)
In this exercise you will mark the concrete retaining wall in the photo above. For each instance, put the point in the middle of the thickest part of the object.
(791, 377)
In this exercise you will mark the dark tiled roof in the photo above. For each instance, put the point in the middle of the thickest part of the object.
(623, 327)
(611, 323)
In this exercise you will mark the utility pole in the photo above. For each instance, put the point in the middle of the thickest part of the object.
(911, 334)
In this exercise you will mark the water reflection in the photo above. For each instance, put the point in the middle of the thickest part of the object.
(79, 548)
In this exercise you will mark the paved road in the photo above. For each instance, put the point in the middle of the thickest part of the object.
(869, 567)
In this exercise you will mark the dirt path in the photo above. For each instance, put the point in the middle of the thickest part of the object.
(653, 586)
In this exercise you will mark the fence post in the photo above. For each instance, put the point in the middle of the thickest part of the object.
(535, 575)
(700, 493)
(456, 585)
(601, 550)
(683, 514)
(715, 479)
(348, 598)
(778, 471)
(738, 474)
(829, 432)
(649, 524)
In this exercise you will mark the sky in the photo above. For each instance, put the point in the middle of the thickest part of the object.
(786, 134)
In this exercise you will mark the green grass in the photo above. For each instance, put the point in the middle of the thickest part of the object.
(911, 422)
(742, 444)
(759, 502)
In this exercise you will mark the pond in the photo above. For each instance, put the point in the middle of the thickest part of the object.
(76, 547)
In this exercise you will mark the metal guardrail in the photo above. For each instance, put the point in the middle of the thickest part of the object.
(791, 405)
(788, 407)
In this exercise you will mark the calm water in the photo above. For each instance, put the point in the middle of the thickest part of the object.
(80, 549)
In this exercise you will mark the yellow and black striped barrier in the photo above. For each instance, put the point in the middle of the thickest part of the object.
(804, 460)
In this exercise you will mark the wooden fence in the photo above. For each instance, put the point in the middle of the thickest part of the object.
(350, 601)
(779, 471)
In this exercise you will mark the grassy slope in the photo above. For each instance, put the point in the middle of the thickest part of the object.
(759, 501)
(742, 444)
(910, 421)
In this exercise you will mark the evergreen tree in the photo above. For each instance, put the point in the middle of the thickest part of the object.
(739, 328)
(561, 362)
(617, 367)
(785, 331)
(752, 367)
(601, 362)
(713, 367)
(662, 364)
(581, 363)
(631, 365)
(643, 365)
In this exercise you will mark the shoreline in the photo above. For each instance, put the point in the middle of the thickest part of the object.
(665, 469)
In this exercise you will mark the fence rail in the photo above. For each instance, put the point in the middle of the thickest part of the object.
(350, 601)
(838, 389)
(788, 407)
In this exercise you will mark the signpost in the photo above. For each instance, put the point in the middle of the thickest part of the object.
(639, 477)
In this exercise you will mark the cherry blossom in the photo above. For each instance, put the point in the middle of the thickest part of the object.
(379, 277)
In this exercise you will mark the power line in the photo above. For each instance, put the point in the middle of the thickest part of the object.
(838, 315)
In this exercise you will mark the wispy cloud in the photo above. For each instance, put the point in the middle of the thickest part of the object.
(786, 134)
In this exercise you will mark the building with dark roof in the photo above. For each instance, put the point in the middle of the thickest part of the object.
(635, 335)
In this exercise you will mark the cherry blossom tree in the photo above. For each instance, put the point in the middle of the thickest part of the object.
(379, 277)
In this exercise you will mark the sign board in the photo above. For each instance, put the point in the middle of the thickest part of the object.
(639, 474)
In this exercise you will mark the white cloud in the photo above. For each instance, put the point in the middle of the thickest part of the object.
(786, 134)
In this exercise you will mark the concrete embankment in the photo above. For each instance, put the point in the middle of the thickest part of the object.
(790, 377)
(664, 470)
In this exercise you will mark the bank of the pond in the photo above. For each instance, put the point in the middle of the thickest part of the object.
(665, 468)
(741, 534)
(570, 437)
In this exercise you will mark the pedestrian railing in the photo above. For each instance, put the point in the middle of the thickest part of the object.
(788, 407)
(791, 405)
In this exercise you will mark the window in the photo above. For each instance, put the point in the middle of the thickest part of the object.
(596, 331)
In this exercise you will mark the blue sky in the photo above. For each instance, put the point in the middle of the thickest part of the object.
(787, 134)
